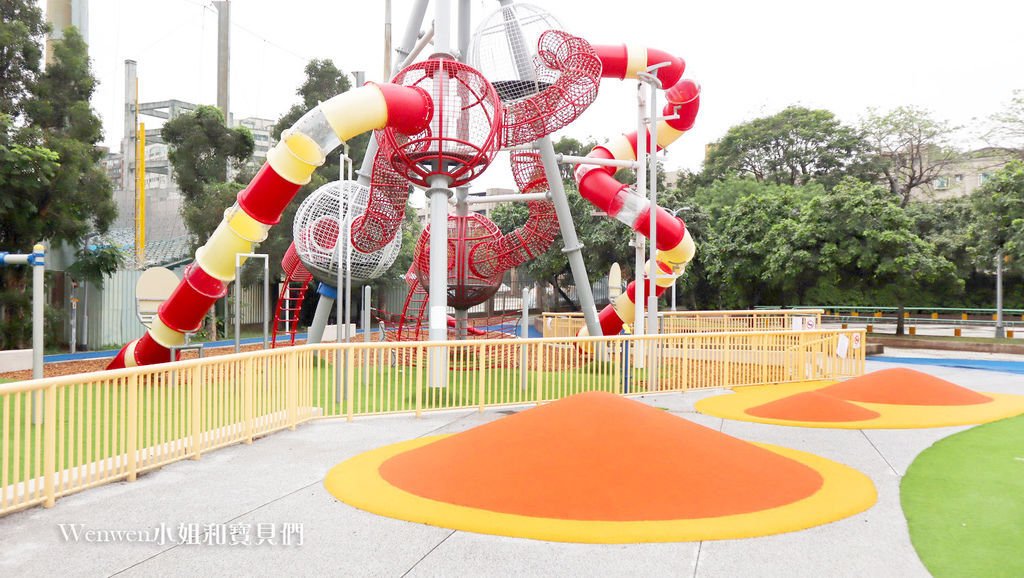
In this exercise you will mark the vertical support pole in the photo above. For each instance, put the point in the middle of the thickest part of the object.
(1000, 330)
(367, 295)
(132, 437)
(320, 319)
(464, 30)
(462, 210)
(350, 363)
(442, 26)
(573, 249)
(50, 447)
(639, 241)
(387, 41)
(652, 183)
(38, 261)
(524, 333)
(266, 302)
(238, 305)
(223, 57)
(438, 290)
(481, 377)
(140, 197)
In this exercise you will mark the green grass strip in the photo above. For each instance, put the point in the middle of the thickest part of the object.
(964, 502)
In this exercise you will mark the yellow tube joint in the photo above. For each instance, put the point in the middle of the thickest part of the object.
(164, 335)
(356, 111)
(295, 157)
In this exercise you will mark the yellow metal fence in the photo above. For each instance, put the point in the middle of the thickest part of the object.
(65, 434)
(569, 324)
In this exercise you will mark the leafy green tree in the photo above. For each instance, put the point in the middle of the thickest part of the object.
(910, 147)
(862, 244)
(753, 244)
(52, 185)
(22, 32)
(202, 149)
(1009, 124)
(998, 227)
(323, 81)
(792, 147)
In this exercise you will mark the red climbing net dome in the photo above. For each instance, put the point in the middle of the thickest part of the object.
(471, 240)
(464, 133)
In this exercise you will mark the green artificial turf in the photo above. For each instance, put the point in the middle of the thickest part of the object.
(964, 502)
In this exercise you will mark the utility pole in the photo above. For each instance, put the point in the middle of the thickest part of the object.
(223, 57)
(1000, 330)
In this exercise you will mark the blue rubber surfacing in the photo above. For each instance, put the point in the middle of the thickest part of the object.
(985, 364)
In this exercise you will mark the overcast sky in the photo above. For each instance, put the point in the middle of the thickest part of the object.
(962, 60)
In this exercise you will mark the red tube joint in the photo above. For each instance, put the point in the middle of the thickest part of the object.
(410, 108)
(185, 308)
(614, 61)
(670, 229)
(267, 196)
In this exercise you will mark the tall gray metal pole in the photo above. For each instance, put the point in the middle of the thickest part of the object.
(387, 41)
(573, 249)
(1000, 330)
(461, 210)
(438, 290)
(640, 242)
(464, 29)
(131, 124)
(223, 57)
(325, 304)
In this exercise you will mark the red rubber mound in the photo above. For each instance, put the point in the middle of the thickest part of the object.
(597, 456)
(904, 387)
(812, 406)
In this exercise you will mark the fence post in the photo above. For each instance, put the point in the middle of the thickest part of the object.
(196, 390)
(350, 360)
(291, 388)
(419, 381)
(133, 426)
(540, 369)
(687, 344)
(481, 352)
(50, 445)
(248, 386)
(764, 356)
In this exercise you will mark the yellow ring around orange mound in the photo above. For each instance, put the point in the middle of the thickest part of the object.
(733, 406)
(357, 482)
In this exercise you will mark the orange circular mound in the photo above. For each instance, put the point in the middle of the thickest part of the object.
(597, 456)
(901, 386)
(812, 406)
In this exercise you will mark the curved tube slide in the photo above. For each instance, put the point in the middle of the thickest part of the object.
(289, 165)
(597, 185)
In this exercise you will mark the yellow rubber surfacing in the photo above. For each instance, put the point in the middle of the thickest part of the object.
(734, 405)
(357, 482)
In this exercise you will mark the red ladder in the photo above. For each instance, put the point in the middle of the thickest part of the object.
(293, 293)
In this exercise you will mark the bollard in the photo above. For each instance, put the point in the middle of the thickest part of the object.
(956, 332)
(935, 315)
(870, 328)
(845, 325)
(913, 330)
(963, 316)
(1009, 334)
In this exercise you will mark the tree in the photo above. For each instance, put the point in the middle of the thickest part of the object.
(911, 148)
(862, 243)
(201, 150)
(752, 241)
(52, 186)
(998, 227)
(22, 31)
(324, 80)
(793, 147)
(1009, 129)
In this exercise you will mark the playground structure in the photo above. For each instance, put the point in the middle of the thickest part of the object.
(438, 125)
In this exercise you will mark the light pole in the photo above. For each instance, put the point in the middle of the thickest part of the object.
(674, 213)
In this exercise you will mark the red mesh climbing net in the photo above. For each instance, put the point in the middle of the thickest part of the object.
(571, 71)
(463, 134)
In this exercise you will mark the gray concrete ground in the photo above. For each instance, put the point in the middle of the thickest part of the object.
(278, 480)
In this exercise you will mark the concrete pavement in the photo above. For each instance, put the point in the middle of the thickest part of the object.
(278, 481)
